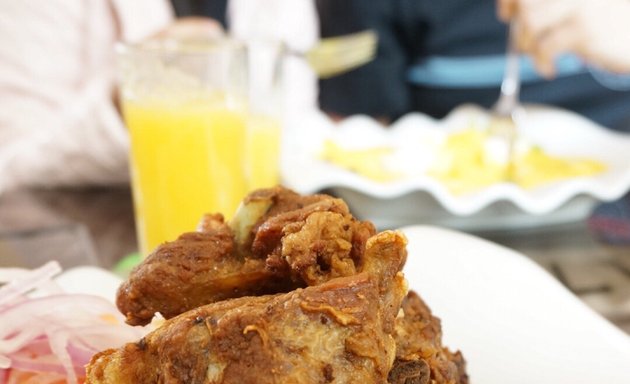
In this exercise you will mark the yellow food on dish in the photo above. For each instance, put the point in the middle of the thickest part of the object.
(536, 167)
(368, 162)
(466, 163)
(463, 163)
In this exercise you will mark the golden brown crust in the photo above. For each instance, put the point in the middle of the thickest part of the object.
(418, 337)
(410, 372)
(196, 269)
(352, 323)
(300, 337)
(296, 242)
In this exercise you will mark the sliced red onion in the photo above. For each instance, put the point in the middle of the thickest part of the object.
(38, 357)
(58, 344)
(67, 309)
(79, 355)
(48, 363)
(19, 340)
(100, 337)
(28, 282)
(55, 336)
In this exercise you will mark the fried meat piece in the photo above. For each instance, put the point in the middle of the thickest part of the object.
(419, 351)
(350, 324)
(278, 241)
(197, 268)
(340, 331)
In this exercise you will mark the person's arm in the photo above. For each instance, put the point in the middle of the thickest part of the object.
(596, 30)
(59, 124)
(378, 88)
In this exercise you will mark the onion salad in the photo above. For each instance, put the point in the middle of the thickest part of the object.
(48, 336)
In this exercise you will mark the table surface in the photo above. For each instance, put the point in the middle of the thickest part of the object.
(96, 227)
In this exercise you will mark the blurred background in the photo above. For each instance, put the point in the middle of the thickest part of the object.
(67, 133)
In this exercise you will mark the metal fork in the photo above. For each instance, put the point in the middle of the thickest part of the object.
(507, 109)
(336, 55)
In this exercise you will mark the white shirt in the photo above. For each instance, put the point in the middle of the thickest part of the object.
(58, 121)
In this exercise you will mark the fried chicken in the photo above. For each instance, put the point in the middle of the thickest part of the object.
(278, 241)
(340, 331)
(293, 289)
(196, 269)
(419, 350)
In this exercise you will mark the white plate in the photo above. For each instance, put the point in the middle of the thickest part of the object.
(422, 199)
(512, 320)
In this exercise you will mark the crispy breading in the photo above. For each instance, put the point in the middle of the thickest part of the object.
(290, 241)
(293, 289)
(339, 331)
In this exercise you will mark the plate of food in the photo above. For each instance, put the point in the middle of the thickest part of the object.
(291, 289)
(295, 289)
(452, 171)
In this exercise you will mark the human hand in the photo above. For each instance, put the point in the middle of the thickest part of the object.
(187, 28)
(597, 31)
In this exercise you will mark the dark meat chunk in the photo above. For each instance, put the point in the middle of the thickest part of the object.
(346, 318)
(410, 372)
(277, 241)
(418, 337)
(196, 269)
(269, 233)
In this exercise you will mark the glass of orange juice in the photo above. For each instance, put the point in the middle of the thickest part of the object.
(186, 108)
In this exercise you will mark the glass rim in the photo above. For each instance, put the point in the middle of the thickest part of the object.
(191, 47)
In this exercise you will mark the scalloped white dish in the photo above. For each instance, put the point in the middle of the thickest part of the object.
(420, 198)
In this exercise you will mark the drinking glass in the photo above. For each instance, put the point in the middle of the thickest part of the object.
(186, 105)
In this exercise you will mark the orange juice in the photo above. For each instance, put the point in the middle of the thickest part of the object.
(186, 160)
(262, 152)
